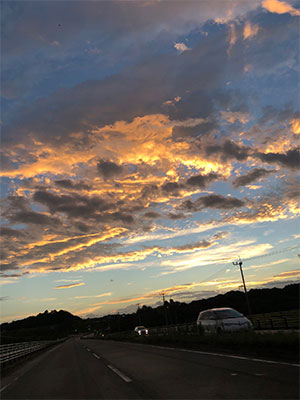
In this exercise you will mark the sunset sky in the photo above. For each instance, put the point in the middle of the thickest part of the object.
(146, 145)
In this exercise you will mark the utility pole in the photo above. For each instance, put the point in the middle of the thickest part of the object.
(165, 308)
(240, 263)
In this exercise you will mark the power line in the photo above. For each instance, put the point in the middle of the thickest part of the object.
(250, 258)
(272, 253)
(215, 274)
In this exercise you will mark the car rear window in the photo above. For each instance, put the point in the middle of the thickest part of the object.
(223, 314)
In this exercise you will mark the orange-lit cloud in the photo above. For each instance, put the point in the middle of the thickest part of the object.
(295, 126)
(95, 296)
(250, 30)
(232, 117)
(232, 37)
(287, 274)
(69, 286)
(86, 311)
(279, 7)
(152, 295)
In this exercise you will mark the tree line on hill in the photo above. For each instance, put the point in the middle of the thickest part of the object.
(57, 324)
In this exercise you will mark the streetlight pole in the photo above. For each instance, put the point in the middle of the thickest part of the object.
(240, 263)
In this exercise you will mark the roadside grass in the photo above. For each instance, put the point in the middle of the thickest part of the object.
(283, 345)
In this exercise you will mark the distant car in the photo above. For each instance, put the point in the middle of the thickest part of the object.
(141, 330)
(218, 320)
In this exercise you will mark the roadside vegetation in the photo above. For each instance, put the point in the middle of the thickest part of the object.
(283, 345)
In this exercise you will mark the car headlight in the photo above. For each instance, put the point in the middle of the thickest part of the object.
(146, 331)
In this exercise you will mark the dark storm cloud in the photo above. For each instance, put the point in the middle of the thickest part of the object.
(182, 133)
(251, 176)
(229, 150)
(82, 227)
(74, 206)
(216, 201)
(14, 275)
(176, 216)
(32, 217)
(289, 160)
(271, 114)
(283, 27)
(203, 244)
(68, 184)
(152, 214)
(9, 266)
(119, 216)
(109, 169)
(202, 180)
(172, 188)
(138, 91)
(148, 191)
(5, 231)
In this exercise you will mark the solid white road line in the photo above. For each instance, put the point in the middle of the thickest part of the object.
(119, 373)
(227, 355)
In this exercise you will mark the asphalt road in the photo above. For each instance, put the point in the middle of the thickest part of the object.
(95, 369)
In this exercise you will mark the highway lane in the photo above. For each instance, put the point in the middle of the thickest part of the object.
(67, 371)
(86, 369)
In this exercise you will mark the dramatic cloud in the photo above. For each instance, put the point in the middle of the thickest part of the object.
(289, 160)
(279, 7)
(202, 180)
(31, 217)
(229, 150)
(68, 184)
(212, 201)
(251, 176)
(134, 144)
(109, 169)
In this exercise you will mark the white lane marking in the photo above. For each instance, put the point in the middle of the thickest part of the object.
(16, 378)
(96, 355)
(226, 355)
(233, 374)
(4, 387)
(121, 375)
(88, 349)
(259, 374)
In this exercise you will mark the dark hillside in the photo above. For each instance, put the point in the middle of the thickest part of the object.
(57, 324)
(44, 326)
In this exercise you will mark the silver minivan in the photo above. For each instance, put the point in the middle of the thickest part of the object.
(218, 320)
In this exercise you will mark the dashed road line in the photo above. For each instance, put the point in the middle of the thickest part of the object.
(4, 387)
(96, 355)
(119, 373)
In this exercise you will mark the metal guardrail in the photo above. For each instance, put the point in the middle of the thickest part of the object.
(276, 320)
(14, 351)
